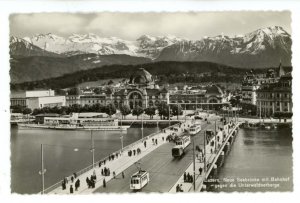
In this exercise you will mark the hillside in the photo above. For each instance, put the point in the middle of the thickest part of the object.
(34, 68)
(165, 71)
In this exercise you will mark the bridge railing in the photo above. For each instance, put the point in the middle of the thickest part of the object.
(90, 167)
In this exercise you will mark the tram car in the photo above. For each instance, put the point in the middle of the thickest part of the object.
(139, 180)
(181, 144)
(194, 129)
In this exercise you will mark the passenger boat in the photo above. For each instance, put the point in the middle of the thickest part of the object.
(76, 123)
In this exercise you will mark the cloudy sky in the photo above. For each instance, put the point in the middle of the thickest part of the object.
(130, 26)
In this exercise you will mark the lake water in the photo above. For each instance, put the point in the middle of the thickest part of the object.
(65, 152)
(259, 160)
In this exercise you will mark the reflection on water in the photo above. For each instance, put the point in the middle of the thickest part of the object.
(261, 156)
(65, 152)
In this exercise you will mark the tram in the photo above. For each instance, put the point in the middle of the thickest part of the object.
(181, 144)
(194, 129)
(139, 179)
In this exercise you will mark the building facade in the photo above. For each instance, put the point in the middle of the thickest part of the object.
(251, 83)
(140, 91)
(275, 97)
(37, 99)
(210, 97)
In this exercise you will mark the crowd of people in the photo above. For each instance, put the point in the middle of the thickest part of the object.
(134, 152)
(187, 178)
(179, 188)
(71, 179)
(105, 171)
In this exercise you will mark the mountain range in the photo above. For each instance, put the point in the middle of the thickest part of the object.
(261, 48)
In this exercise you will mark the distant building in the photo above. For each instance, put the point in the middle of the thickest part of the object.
(140, 91)
(36, 99)
(249, 86)
(85, 99)
(210, 97)
(252, 83)
(275, 97)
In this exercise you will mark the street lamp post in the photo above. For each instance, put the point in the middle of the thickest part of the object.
(92, 149)
(43, 170)
(143, 124)
(169, 115)
(204, 152)
(121, 136)
(194, 165)
(215, 136)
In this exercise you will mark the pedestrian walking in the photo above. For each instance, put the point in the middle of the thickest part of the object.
(184, 177)
(188, 177)
(63, 185)
(77, 184)
(72, 179)
(114, 175)
(177, 188)
(134, 152)
(200, 170)
(123, 175)
(156, 141)
(180, 188)
(71, 189)
(104, 183)
(75, 175)
(66, 180)
(87, 181)
(145, 144)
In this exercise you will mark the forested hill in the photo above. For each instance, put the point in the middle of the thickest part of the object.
(167, 71)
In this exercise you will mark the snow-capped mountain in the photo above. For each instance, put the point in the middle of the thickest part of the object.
(261, 48)
(88, 43)
(145, 46)
(21, 47)
(151, 47)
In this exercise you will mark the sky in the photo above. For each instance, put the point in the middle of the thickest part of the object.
(130, 26)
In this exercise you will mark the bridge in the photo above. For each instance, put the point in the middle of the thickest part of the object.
(166, 172)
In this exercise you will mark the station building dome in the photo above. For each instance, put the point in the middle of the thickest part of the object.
(141, 78)
(214, 90)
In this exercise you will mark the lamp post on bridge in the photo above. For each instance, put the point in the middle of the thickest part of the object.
(194, 164)
(92, 149)
(143, 124)
(121, 136)
(43, 170)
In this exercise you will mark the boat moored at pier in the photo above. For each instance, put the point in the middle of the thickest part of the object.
(76, 122)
